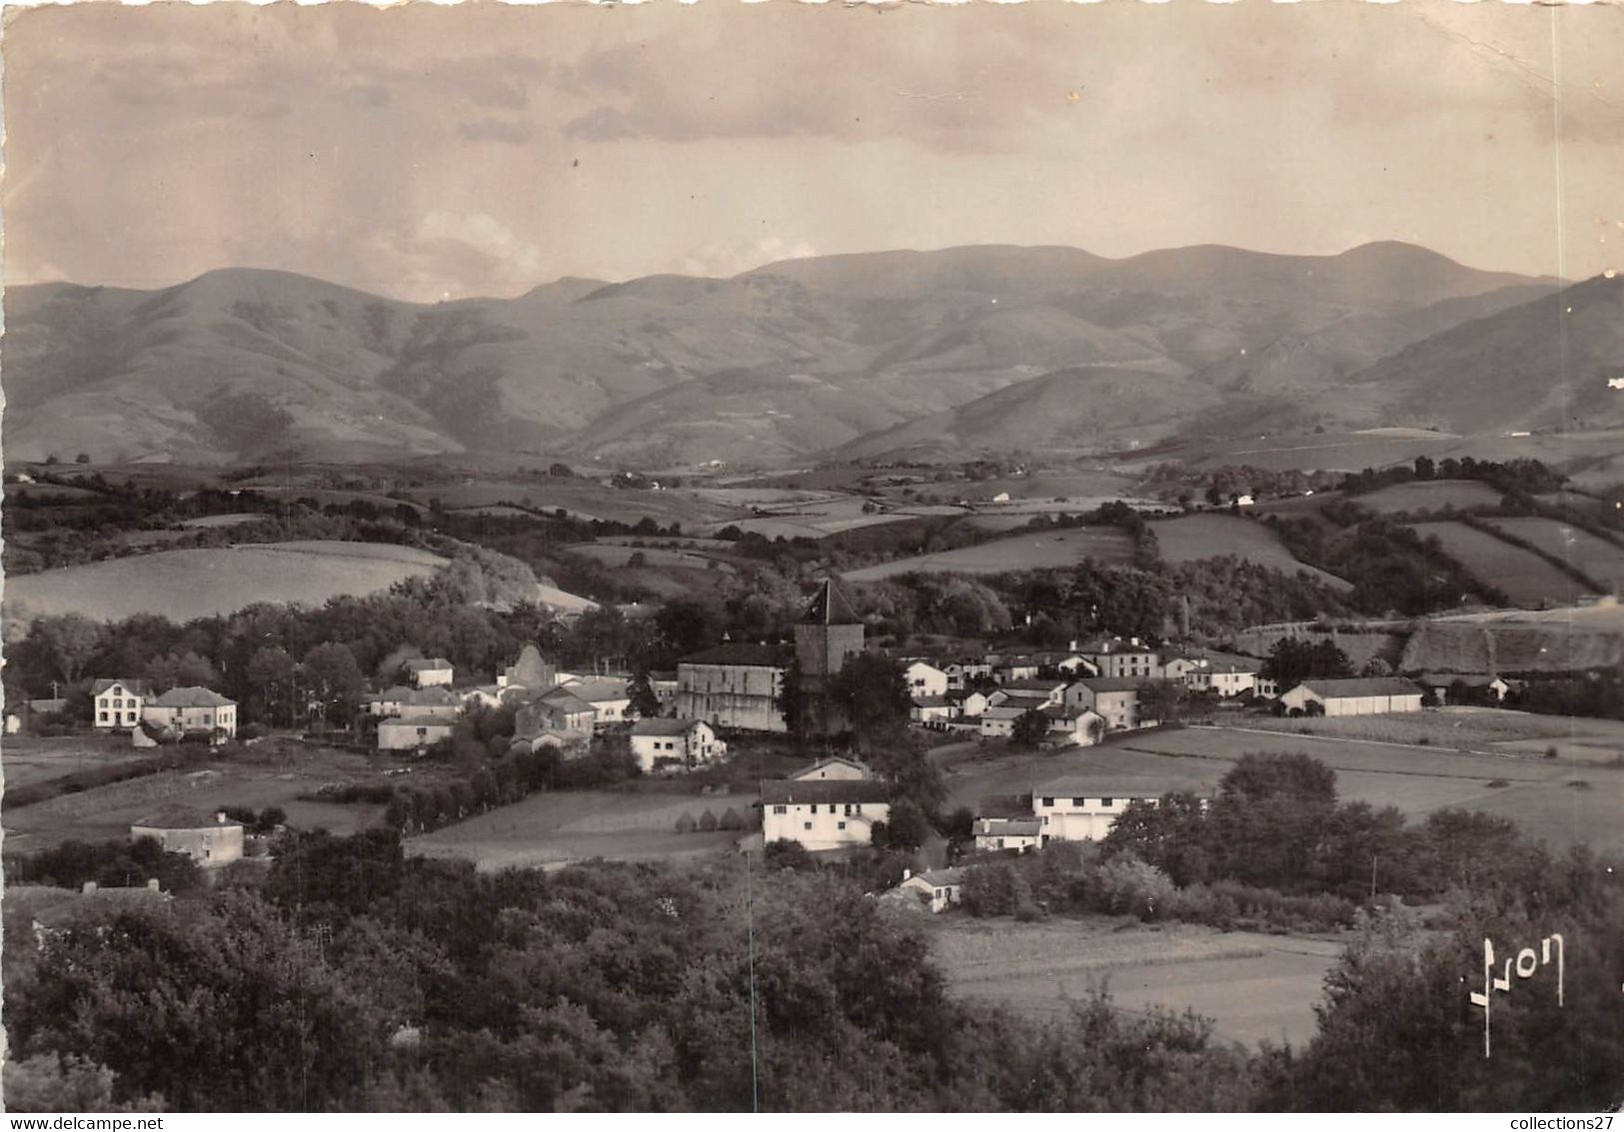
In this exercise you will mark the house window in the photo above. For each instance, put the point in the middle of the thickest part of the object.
(1107, 802)
(833, 807)
(1048, 801)
(103, 717)
(1079, 802)
(806, 825)
(780, 809)
(840, 825)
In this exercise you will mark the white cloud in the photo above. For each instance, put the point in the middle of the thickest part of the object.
(727, 260)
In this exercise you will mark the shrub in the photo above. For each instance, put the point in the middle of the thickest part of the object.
(1550, 752)
(1497, 783)
(707, 822)
(730, 820)
(685, 824)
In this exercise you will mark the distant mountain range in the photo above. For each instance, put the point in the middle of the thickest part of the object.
(967, 349)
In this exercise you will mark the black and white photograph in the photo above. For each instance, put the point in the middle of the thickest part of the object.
(725, 557)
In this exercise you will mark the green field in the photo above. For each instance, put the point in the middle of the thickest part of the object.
(619, 555)
(1594, 557)
(1492, 731)
(1416, 779)
(1208, 535)
(183, 584)
(1429, 495)
(265, 774)
(555, 829)
(1524, 577)
(1253, 986)
(1018, 552)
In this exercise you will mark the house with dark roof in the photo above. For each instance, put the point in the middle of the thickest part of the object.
(1366, 695)
(826, 638)
(826, 813)
(674, 744)
(734, 685)
(180, 711)
(610, 697)
(210, 840)
(117, 702)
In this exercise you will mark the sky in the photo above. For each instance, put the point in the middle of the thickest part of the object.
(428, 152)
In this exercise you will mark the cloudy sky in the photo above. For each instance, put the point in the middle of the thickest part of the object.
(427, 151)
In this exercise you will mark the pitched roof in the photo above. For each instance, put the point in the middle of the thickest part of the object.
(1004, 712)
(563, 699)
(934, 701)
(183, 817)
(1363, 686)
(1033, 685)
(660, 726)
(741, 655)
(427, 664)
(1008, 827)
(191, 697)
(830, 607)
(139, 687)
(833, 760)
(435, 696)
(1470, 679)
(788, 791)
(1111, 683)
(596, 689)
(1074, 786)
(1115, 645)
(941, 878)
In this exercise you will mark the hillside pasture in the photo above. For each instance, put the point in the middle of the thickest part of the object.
(1253, 986)
(235, 519)
(1596, 558)
(1416, 779)
(1524, 577)
(1210, 535)
(1428, 495)
(554, 829)
(617, 555)
(270, 774)
(183, 584)
(1047, 549)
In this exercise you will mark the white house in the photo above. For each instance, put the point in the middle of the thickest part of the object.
(609, 696)
(401, 702)
(1085, 809)
(418, 731)
(993, 834)
(675, 743)
(925, 680)
(1074, 727)
(429, 671)
(939, 888)
(1045, 692)
(1114, 698)
(180, 710)
(1115, 658)
(934, 710)
(962, 673)
(1369, 695)
(210, 841)
(822, 813)
(999, 722)
(118, 702)
(1011, 669)
(834, 768)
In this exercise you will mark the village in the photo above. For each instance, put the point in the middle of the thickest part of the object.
(724, 702)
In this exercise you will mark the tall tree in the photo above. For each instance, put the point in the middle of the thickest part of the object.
(70, 640)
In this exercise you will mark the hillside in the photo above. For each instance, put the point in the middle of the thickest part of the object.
(1538, 365)
(778, 363)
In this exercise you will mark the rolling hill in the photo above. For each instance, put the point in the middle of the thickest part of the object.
(785, 361)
